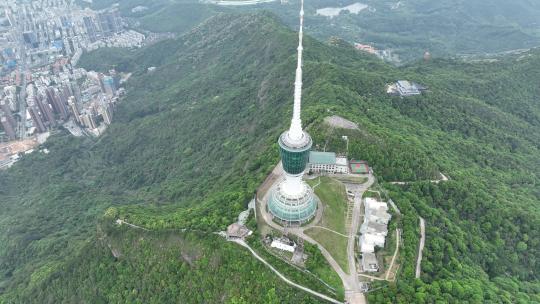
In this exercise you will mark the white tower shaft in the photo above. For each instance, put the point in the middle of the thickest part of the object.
(295, 131)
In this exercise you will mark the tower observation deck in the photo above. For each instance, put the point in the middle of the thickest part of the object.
(292, 200)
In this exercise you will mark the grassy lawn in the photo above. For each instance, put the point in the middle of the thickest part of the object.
(335, 244)
(372, 193)
(262, 226)
(334, 198)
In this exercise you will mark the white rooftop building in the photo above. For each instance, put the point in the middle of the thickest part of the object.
(281, 245)
(376, 211)
(327, 162)
(375, 226)
(368, 242)
(407, 88)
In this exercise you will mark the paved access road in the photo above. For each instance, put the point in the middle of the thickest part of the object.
(358, 190)
(421, 247)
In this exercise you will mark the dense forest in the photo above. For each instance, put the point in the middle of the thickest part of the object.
(192, 140)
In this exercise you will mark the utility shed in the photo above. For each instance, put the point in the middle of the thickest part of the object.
(369, 262)
(237, 231)
(283, 244)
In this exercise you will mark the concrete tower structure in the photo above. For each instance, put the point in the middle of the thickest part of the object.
(292, 201)
(38, 122)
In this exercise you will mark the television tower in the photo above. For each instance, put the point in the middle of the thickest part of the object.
(292, 201)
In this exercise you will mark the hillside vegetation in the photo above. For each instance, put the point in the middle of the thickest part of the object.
(408, 28)
(445, 28)
(192, 141)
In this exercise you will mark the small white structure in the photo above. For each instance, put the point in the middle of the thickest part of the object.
(342, 165)
(405, 88)
(281, 245)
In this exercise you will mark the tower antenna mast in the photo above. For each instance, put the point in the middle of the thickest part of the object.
(295, 131)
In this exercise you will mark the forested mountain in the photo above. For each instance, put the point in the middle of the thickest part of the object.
(407, 27)
(444, 28)
(192, 140)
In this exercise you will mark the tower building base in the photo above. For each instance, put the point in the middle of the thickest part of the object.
(292, 210)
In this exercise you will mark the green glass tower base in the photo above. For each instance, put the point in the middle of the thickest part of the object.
(292, 210)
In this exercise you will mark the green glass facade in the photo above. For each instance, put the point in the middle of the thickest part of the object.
(294, 159)
(298, 208)
(292, 212)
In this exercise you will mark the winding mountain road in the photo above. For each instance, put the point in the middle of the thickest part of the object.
(393, 257)
(283, 278)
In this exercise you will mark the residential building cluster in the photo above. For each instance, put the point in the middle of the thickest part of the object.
(373, 231)
(38, 32)
(41, 42)
(53, 97)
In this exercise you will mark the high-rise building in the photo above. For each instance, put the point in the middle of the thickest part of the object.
(46, 111)
(91, 28)
(109, 22)
(106, 113)
(292, 201)
(36, 118)
(76, 91)
(56, 102)
(72, 102)
(88, 121)
(66, 89)
(4, 107)
(62, 99)
(8, 128)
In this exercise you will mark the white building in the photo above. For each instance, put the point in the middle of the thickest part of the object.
(374, 229)
(327, 162)
(407, 88)
(368, 242)
(282, 245)
(376, 211)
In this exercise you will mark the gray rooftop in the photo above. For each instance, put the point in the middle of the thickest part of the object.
(322, 158)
